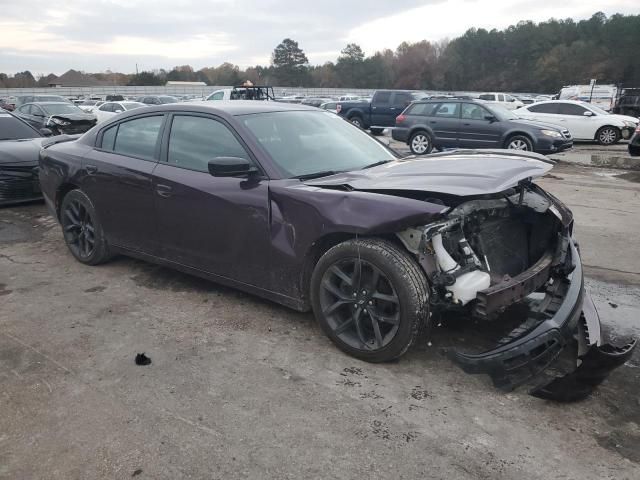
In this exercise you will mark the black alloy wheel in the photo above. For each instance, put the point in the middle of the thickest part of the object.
(81, 229)
(370, 297)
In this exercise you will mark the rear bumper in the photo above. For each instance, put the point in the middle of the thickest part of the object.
(400, 134)
(568, 340)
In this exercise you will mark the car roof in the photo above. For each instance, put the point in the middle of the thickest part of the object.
(47, 103)
(234, 107)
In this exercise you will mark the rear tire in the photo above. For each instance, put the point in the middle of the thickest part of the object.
(370, 298)
(357, 121)
(82, 230)
(608, 135)
(519, 142)
(420, 143)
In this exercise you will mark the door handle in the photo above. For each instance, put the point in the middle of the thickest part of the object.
(164, 190)
(91, 169)
(466, 124)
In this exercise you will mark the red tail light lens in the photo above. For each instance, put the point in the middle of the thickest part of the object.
(338, 108)
(400, 119)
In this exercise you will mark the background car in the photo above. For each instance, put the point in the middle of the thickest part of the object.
(7, 104)
(634, 144)
(22, 99)
(20, 145)
(508, 101)
(89, 105)
(109, 109)
(469, 123)
(60, 117)
(584, 120)
(330, 106)
(315, 101)
(157, 99)
(628, 103)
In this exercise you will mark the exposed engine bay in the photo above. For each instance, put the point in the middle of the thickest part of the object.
(489, 254)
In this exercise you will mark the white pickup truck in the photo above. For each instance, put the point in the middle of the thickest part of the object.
(508, 101)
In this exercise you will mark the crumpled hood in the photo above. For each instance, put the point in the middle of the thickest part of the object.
(20, 151)
(76, 117)
(460, 173)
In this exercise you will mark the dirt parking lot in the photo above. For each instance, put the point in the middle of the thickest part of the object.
(243, 388)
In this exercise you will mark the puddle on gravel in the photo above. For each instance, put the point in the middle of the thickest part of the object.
(630, 176)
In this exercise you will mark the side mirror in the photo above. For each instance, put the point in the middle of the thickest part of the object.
(230, 167)
(491, 118)
(46, 132)
(588, 113)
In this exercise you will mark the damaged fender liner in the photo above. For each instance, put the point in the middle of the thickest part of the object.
(525, 358)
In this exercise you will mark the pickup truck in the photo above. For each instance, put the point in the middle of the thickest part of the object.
(381, 112)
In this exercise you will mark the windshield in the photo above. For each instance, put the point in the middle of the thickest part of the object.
(305, 142)
(62, 109)
(502, 113)
(13, 129)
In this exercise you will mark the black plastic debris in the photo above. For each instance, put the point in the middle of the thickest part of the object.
(139, 471)
(142, 359)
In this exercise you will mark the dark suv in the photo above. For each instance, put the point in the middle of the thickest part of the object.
(470, 123)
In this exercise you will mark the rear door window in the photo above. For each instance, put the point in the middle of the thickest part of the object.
(194, 141)
(447, 110)
(139, 137)
(471, 111)
(422, 109)
(544, 108)
(571, 109)
(382, 98)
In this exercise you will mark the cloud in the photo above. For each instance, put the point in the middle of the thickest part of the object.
(94, 35)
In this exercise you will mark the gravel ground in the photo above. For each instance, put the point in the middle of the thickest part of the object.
(243, 388)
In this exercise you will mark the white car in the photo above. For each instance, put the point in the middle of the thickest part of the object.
(584, 120)
(507, 101)
(89, 105)
(109, 109)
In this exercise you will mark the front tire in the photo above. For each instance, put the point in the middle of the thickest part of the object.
(370, 298)
(81, 228)
(420, 143)
(519, 142)
(608, 135)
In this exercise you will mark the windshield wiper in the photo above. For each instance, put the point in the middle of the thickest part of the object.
(309, 176)
(381, 162)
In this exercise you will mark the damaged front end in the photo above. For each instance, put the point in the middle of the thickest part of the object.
(491, 254)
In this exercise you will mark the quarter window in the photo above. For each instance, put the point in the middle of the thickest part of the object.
(139, 137)
(108, 138)
(194, 141)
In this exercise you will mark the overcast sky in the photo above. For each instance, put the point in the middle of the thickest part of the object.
(95, 35)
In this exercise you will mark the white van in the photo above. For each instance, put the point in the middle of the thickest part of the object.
(602, 96)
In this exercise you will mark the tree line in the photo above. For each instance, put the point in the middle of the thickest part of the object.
(527, 57)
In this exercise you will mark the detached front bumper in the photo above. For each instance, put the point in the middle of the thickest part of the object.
(570, 327)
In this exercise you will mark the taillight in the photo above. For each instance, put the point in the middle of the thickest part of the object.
(638, 129)
(338, 108)
(400, 119)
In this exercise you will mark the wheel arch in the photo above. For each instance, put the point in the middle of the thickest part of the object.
(321, 246)
(619, 129)
(61, 192)
(518, 133)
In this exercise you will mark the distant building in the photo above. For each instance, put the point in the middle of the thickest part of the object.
(188, 84)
